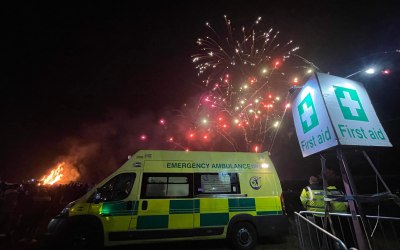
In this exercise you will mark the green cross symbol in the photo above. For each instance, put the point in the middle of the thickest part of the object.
(307, 113)
(350, 104)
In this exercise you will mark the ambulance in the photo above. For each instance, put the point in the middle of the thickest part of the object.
(162, 196)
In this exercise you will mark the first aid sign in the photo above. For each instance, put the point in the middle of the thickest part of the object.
(313, 127)
(331, 111)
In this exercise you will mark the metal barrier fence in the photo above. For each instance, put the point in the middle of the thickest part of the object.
(339, 233)
(312, 236)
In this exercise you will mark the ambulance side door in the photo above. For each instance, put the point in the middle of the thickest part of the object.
(166, 205)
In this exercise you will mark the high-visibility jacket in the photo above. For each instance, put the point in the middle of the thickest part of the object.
(312, 198)
(336, 206)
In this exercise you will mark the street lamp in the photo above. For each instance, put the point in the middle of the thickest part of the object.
(368, 71)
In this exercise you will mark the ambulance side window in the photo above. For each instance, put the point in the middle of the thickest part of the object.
(156, 185)
(216, 183)
(118, 188)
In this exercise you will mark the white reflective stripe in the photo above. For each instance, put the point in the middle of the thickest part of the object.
(310, 192)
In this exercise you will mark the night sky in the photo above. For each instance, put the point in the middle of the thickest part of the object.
(82, 81)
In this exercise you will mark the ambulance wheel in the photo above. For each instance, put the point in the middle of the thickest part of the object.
(243, 236)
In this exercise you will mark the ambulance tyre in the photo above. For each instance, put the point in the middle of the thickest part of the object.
(243, 236)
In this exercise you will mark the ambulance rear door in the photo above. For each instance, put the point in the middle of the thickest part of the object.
(263, 187)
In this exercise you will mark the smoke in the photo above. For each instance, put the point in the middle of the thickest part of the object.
(100, 147)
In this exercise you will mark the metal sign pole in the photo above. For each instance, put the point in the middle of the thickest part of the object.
(324, 186)
(327, 202)
(363, 241)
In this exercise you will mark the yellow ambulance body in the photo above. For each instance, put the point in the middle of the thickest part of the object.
(177, 195)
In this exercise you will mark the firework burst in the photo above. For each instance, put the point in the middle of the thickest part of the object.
(243, 73)
(245, 77)
(246, 52)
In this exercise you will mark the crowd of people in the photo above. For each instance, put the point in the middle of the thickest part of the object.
(27, 208)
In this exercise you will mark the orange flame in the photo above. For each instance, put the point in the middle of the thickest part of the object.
(54, 176)
(62, 173)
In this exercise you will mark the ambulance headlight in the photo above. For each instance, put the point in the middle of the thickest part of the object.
(264, 165)
(65, 211)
